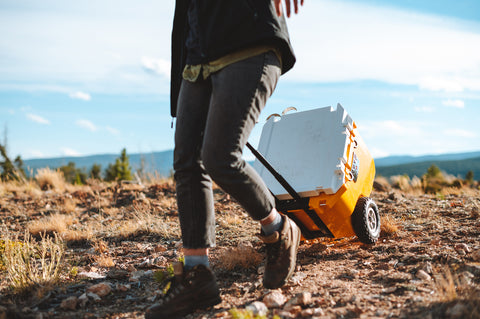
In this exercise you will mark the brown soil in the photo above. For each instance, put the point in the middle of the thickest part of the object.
(426, 263)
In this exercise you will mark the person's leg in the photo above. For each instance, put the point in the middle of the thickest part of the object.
(194, 186)
(239, 93)
(194, 285)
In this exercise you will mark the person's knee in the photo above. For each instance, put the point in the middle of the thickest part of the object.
(220, 165)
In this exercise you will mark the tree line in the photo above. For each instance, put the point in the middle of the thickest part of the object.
(119, 170)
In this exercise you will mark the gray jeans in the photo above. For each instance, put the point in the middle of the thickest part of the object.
(214, 119)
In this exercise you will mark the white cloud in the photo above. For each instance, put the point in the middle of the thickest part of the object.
(157, 66)
(440, 84)
(454, 103)
(378, 153)
(35, 154)
(354, 41)
(86, 124)
(460, 133)
(66, 151)
(112, 130)
(90, 52)
(80, 96)
(424, 109)
(37, 119)
(392, 128)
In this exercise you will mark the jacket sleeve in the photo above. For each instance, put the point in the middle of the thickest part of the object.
(178, 58)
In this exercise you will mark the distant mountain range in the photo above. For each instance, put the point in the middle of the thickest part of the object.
(398, 160)
(457, 164)
(159, 162)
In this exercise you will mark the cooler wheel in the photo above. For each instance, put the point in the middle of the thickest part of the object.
(366, 221)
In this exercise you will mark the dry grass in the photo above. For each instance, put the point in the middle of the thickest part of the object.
(29, 263)
(401, 182)
(453, 290)
(104, 261)
(145, 222)
(49, 179)
(86, 233)
(69, 205)
(389, 227)
(243, 256)
(466, 190)
(56, 223)
(28, 187)
(229, 219)
(445, 284)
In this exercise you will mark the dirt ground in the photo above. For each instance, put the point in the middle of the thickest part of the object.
(426, 263)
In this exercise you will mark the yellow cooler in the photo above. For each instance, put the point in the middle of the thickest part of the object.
(321, 173)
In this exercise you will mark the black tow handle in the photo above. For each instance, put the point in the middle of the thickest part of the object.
(275, 174)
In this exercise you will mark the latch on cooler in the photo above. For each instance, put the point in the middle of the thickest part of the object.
(352, 166)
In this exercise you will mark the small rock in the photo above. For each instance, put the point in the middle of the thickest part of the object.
(309, 313)
(147, 262)
(94, 296)
(101, 289)
(159, 248)
(463, 246)
(457, 311)
(257, 308)
(122, 287)
(91, 275)
(389, 290)
(83, 300)
(136, 275)
(117, 273)
(274, 299)
(476, 255)
(421, 274)
(160, 261)
(302, 299)
(428, 268)
(261, 270)
(298, 277)
(293, 309)
(466, 278)
(473, 268)
(283, 314)
(70, 303)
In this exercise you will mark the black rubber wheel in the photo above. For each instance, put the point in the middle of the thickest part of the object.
(366, 220)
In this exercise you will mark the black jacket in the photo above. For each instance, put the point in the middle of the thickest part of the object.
(224, 27)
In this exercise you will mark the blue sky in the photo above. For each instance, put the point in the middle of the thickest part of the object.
(91, 77)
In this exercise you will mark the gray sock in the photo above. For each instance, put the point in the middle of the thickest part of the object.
(193, 260)
(276, 225)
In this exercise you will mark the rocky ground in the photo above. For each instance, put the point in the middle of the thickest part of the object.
(121, 239)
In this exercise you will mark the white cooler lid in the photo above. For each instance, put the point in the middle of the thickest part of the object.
(309, 149)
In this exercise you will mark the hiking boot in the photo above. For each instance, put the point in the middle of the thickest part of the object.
(281, 254)
(189, 291)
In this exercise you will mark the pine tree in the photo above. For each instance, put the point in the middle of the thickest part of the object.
(73, 174)
(120, 170)
(469, 177)
(10, 170)
(95, 171)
